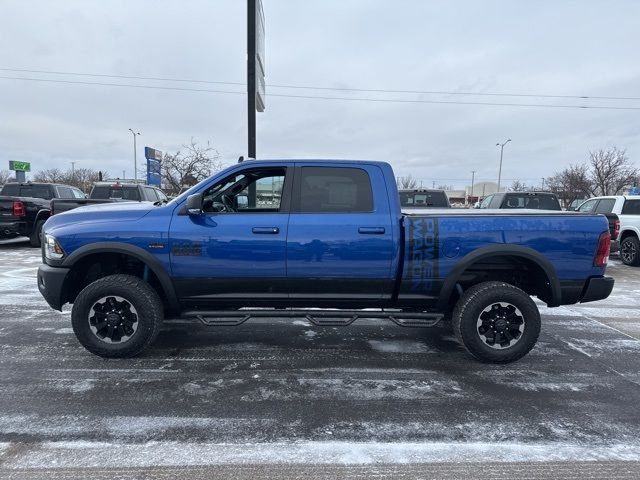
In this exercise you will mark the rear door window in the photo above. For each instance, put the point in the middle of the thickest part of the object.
(631, 207)
(36, 191)
(10, 190)
(334, 190)
(605, 205)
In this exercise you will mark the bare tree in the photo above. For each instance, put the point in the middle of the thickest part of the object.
(407, 183)
(611, 171)
(50, 175)
(83, 178)
(571, 184)
(518, 186)
(5, 175)
(188, 166)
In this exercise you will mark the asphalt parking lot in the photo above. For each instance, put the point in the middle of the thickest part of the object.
(276, 398)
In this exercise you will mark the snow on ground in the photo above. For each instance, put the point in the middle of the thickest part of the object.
(282, 391)
(100, 454)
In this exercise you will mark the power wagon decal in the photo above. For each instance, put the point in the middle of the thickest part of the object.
(423, 254)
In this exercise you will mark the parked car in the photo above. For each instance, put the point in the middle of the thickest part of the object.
(110, 192)
(328, 234)
(421, 198)
(627, 209)
(24, 207)
(525, 200)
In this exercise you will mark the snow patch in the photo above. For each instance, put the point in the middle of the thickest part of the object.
(63, 331)
(398, 346)
(101, 454)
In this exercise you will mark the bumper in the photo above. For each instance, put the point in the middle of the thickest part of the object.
(13, 229)
(597, 288)
(51, 284)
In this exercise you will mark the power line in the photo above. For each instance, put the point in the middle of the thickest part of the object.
(315, 97)
(342, 89)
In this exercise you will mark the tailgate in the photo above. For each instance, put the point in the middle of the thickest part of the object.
(6, 208)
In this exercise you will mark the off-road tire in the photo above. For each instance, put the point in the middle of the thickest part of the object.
(631, 244)
(471, 305)
(35, 239)
(138, 293)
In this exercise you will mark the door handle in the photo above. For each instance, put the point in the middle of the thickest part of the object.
(266, 230)
(371, 230)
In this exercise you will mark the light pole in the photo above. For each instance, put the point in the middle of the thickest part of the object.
(501, 145)
(135, 159)
(473, 177)
(73, 170)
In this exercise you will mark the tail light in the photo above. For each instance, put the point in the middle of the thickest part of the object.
(18, 209)
(602, 253)
(616, 229)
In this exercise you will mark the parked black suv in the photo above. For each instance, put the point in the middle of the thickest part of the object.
(24, 207)
(528, 200)
(423, 198)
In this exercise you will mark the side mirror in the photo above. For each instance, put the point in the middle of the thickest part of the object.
(194, 204)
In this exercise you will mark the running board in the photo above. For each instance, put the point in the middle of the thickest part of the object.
(320, 318)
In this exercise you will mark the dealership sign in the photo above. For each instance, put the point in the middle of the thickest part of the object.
(17, 166)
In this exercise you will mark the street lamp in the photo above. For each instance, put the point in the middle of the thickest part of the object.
(473, 177)
(501, 145)
(135, 160)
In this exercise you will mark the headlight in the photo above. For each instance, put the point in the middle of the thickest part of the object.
(52, 250)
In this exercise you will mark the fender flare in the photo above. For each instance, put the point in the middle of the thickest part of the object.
(42, 213)
(526, 253)
(136, 252)
(632, 230)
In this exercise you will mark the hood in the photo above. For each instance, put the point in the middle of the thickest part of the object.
(105, 212)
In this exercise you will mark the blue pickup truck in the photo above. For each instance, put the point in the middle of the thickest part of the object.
(325, 240)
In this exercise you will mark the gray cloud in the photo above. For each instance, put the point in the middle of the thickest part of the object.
(570, 47)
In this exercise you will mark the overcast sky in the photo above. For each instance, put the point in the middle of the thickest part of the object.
(520, 47)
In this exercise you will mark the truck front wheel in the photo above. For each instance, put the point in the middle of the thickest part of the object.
(496, 322)
(117, 316)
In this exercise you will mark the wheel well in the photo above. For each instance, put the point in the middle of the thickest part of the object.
(627, 233)
(518, 271)
(98, 265)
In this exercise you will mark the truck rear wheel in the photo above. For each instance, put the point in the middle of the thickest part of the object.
(117, 316)
(630, 251)
(496, 322)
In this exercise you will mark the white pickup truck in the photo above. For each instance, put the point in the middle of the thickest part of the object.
(628, 210)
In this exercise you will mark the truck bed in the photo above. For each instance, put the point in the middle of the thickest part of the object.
(440, 242)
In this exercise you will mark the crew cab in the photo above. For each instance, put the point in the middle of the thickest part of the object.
(24, 207)
(325, 240)
(110, 192)
(627, 210)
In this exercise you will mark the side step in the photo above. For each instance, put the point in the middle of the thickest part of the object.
(318, 317)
